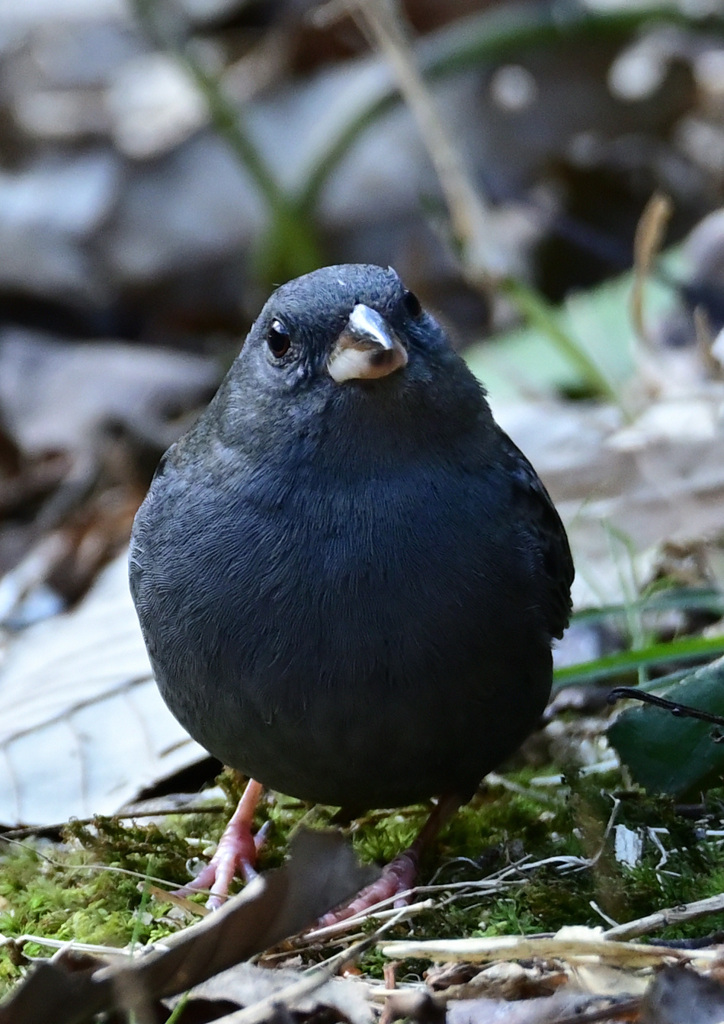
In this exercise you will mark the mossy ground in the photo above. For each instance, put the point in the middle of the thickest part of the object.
(89, 887)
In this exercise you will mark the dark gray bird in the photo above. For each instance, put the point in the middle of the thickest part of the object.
(347, 575)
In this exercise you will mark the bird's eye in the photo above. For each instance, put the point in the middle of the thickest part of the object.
(278, 339)
(412, 305)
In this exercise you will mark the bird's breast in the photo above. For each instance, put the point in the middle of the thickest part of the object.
(317, 616)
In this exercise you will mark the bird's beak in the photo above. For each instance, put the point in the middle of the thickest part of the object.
(366, 349)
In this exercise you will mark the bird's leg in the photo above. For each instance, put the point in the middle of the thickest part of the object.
(399, 875)
(236, 852)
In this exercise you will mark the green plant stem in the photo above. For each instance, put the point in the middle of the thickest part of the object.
(230, 124)
(290, 247)
(226, 118)
(179, 1009)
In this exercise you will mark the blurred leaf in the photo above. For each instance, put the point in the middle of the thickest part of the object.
(678, 994)
(540, 317)
(668, 753)
(528, 359)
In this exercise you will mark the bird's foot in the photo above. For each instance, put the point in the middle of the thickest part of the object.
(236, 853)
(399, 876)
(397, 879)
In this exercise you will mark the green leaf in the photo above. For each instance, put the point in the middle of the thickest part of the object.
(597, 322)
(670, 754)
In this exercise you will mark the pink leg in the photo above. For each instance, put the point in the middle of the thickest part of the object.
(235, 854)
(400, 874)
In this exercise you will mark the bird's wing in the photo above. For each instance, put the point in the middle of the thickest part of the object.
(548, 536)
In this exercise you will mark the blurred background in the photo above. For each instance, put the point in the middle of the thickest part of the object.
(165, 163)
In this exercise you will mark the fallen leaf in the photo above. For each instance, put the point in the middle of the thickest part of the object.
(83, 728)
(57, 395)
(672, 754)
(246, 984)
(679, 995)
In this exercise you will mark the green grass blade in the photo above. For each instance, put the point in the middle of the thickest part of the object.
(611, 666)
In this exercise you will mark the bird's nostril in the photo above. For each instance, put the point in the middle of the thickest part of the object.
(381, 358)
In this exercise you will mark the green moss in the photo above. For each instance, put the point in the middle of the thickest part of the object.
(499, 827)
(79, 889)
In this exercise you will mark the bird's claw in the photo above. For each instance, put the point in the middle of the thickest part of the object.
(236, 853)
(397, 879)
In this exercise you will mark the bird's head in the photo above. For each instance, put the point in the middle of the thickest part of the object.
(348, 347)
(342, 324)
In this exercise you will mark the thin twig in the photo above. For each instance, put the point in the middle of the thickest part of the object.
(309, 982)
(663, 918)
(469, 213)
(111, 868)
(648, 240)
(340, 927)
(28, 831)
(65, 944)
(483, 261)
(677, 709)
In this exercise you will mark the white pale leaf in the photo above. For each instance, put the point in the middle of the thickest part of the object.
(83, 728)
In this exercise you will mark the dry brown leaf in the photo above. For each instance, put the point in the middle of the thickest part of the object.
(565, 1005)
(503, 980)
(58, 396)
(626, 490)
(679, 995)
(246, 984)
